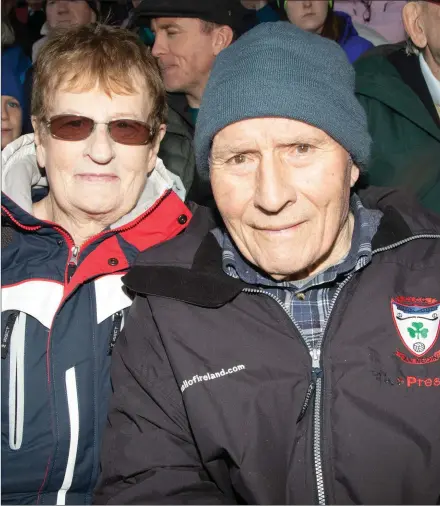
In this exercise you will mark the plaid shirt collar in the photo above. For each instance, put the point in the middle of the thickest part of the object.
(366, 222)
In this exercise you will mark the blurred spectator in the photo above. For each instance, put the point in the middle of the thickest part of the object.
(15, 102)
(14, 31)
(189, 34)
(318, 16)
(36, 17)
(265, 13)
(127, 22)
(12, 100)
(400, 90)
(64, 14)
(383, 16)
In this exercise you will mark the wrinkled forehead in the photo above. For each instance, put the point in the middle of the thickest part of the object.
(268, 131)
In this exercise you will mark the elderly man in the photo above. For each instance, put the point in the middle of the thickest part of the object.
(189, 35)
(400, 91)
(289, 353)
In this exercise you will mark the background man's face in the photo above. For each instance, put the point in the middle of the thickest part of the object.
(65, 13)
(431, 15)
(184, 52)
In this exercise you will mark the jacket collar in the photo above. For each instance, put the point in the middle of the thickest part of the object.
(189, 268)
(393, 78)
(409, 68)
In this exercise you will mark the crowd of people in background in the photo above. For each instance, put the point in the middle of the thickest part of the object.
(245, 162)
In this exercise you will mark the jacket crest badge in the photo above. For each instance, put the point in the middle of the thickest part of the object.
(417, 321)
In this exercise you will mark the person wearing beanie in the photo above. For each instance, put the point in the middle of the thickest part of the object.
(318, 16)
(286, 350)
(189, 35)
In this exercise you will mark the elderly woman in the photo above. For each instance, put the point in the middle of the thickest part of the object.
(72, 225)
(302, 361)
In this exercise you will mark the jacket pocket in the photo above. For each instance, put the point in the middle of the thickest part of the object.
(72, 403)
(16, 382)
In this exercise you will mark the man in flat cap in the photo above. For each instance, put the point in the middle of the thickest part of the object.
(288, 353)
(189, 34)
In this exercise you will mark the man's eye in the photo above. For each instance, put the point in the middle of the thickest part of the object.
(237, 159)
(171, 33)
(303, 149)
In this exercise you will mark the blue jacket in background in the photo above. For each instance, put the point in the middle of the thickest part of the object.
(351, 42)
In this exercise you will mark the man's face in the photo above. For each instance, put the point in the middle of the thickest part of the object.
(67, 13)
(184, 51)
(283, 189)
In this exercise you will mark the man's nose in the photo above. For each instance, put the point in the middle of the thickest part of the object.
(159, 46)
(273, 191)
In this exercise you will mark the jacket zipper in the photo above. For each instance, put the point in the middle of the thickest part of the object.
(7, 333)
(314, 390)
(116, 329)
(73, 262)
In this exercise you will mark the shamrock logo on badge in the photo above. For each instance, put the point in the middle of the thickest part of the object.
(417, 322)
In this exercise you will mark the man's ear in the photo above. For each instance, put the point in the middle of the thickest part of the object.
(223, 37)
(38, 137)
(354, 175)
(412, 16)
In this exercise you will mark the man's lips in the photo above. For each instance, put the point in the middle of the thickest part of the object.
(279, 228)
(98, 178)
(164, 68)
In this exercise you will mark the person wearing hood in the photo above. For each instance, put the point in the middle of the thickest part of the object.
(14, 102)
(318, 16)
(80, 200)
(301, 364)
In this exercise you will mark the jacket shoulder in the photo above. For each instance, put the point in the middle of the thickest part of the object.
(181, 250)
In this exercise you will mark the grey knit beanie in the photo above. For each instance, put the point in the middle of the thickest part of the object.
(279, 70)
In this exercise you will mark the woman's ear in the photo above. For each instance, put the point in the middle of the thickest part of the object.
(38, 138)
(155, 148)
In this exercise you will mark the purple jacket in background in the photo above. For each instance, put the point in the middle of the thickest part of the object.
(351, 42)
(385, 16)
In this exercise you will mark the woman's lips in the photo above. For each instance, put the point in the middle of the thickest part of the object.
(98, 178)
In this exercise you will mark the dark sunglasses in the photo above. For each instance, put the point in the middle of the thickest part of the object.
(69, 127)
